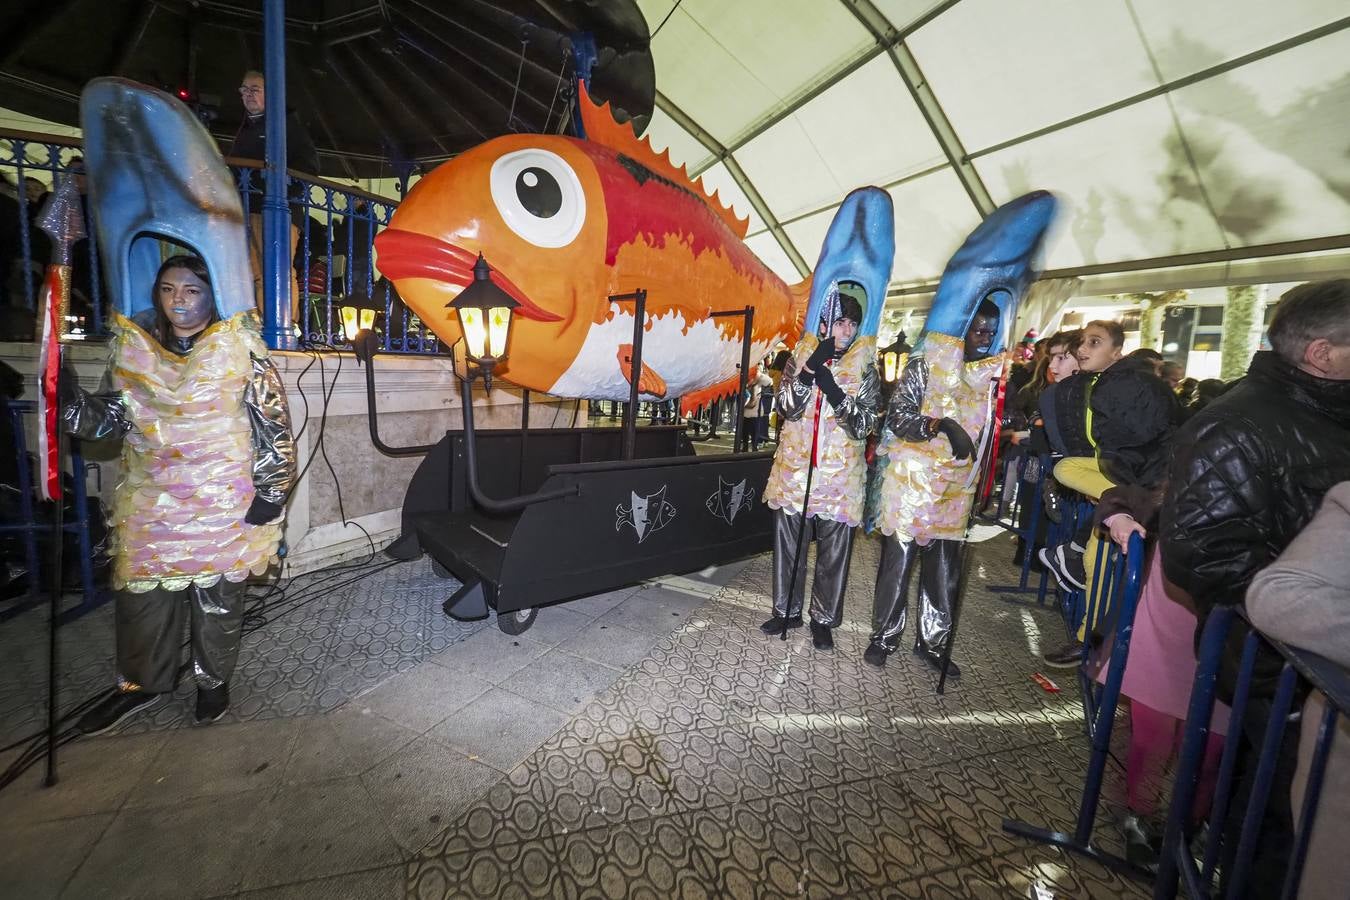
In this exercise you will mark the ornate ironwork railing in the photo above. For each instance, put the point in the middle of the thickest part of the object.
(333, 227)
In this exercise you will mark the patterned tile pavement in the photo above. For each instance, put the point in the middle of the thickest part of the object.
(726, 764)
(327, 637)
(703, 761)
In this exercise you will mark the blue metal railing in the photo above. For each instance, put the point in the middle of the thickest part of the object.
(335, 228)
(31, 526)
(1178, 868)
(1110, 602)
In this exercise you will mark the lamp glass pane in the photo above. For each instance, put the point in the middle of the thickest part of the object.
(499, 323)
(475, 330)
(367, 319)
(349, 326)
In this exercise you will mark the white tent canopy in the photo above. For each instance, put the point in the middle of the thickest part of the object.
(1191, 134)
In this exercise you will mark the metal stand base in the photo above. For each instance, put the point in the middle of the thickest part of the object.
(467, 604)
(1068, 842)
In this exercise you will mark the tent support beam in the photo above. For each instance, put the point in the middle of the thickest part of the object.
(907, 67)
(1176, 84)
(682, 119)
(847, 69)
(1176, 261)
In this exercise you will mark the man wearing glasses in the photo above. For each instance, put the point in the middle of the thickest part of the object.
(251, 143)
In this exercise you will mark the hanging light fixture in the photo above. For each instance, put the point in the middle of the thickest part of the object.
(484, 312)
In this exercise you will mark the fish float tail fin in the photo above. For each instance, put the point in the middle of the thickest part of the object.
(689, 403)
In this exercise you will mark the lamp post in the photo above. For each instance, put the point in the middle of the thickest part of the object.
(484, 312)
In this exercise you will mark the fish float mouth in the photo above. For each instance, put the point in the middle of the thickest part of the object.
(407, 254)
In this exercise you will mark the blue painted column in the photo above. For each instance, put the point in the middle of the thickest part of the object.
(276, 254)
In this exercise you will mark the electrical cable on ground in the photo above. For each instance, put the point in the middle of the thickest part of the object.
(260, 610)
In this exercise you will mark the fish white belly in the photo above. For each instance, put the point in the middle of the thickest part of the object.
(687, 361)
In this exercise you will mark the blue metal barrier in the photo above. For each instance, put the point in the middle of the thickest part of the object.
(1178, 868)
(334, 254)
(1113, 595)
(30, 527)
(1034, 488)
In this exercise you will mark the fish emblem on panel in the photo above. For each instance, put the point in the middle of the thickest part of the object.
(730, 499)
(645, 515)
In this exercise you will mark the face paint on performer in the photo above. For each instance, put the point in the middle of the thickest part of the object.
(186, 301)
(982, 332)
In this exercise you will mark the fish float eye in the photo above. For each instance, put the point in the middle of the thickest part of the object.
(539, 197)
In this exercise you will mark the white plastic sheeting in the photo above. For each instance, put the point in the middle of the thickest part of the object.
(1251, 147)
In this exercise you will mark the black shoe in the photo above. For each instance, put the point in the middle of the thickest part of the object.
(1066, 657)
(211, 704)
(934, 659)
(875, 655)
(778, 624)
(1143, 844)
(1054, 509)
(821, 638)
(113, 709)
(1065, 562)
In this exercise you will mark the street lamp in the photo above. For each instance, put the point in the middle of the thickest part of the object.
(356, 320)
(484, 311)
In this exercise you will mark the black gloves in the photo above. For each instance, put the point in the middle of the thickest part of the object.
(261, 511)
(829, 387)
(962, 447)
(816, 361)
(820, 355)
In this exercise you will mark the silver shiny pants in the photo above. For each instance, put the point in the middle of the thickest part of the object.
(834, 547)
(940, 570)
(150, 633)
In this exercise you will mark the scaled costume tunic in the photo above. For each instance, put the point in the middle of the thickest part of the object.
(925, 493)
(205, 432)
(835, 439)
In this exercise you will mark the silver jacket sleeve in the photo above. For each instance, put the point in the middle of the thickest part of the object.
(793, 396)
(273, 440)
(857, 414)
(93, 417)
(905, 418)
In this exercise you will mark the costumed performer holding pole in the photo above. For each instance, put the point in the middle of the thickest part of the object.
(828, 399)
(938, 429)
(208, 454)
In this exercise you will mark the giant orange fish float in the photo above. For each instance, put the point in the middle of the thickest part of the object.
(564, 223)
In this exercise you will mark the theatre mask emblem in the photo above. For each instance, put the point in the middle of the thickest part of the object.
(730, 499)
(645, 515)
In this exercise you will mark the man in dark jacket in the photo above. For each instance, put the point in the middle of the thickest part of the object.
(1249, 471)
(250, 142)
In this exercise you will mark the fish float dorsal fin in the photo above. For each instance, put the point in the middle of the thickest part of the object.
(602, 128)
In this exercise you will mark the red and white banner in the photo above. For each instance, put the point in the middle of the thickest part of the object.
(49, 371)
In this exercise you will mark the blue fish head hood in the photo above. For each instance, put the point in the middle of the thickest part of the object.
(154, 173)
(996, 262)
(859, 247)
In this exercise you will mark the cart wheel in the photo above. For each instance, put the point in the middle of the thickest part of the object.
(517, 622)
(440, 570)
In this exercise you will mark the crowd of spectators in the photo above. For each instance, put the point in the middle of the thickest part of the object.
(1220, 479)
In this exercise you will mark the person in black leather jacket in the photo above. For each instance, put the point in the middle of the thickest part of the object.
(1248, 473)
